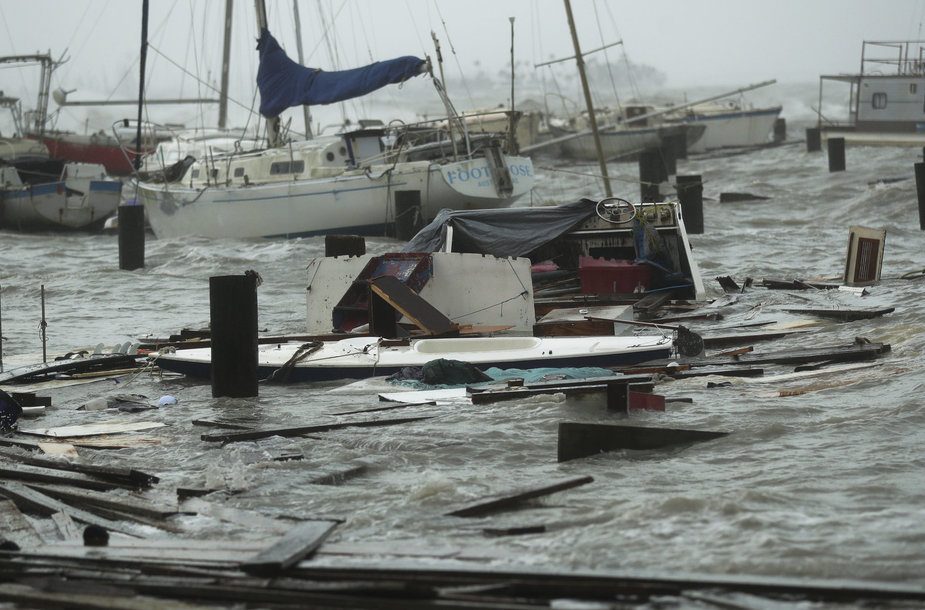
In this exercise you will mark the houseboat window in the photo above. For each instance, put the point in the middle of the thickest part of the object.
(298, 167)
(195, 173)
(878, 101)
(238, 172)
(913, 88)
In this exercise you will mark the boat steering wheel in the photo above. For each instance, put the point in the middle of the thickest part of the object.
(615, 210)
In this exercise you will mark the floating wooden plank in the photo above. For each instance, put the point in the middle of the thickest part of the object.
(514, 531)
(653, 300)
(578, 440)
(249, 435)
(407, 302)
(511, 498)
(727, 371)
(37, 474)
(132, 506)
(747, 338)
(737, 197)
(30, 412)
(728, 284)
(79, 430)
(15, 527)
(120, 474)
(297, 544)
(862, 351)
(705, 315)
(30, 500)
(213, 423)
(389, 407)
(30, 597)
(797, 285)
(844, 315)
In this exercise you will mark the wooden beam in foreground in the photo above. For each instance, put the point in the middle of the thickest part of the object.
(299, 543)
(511, 498)
(582, 440)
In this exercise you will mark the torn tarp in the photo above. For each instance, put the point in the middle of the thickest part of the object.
(502, 232)
(283, 83)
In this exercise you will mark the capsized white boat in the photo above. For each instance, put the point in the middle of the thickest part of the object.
(359, 357)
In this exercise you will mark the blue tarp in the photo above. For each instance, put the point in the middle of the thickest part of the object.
(283, 83)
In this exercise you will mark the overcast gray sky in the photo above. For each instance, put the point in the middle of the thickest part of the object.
(692, 42)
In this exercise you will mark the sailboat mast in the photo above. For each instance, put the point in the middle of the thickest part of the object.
(226, 55)
(141, 79)
(272, 122)
(306, 113)
(587, 91)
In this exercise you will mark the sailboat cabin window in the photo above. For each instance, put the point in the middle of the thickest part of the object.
(878, 101)
(285, 167)
(913, 88)
(238, 172)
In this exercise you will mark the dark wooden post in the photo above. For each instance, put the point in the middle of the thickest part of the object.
(836, 154)
(651, 174)
(780, 129)
(813, 139)
(920, 192)
(690, 194)
(618, 397)
(344, 245)
(131, 237)
(233, 315)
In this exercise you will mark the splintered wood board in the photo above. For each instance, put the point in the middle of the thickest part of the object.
(80, 430)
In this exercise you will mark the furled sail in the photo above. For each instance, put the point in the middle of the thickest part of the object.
(283, 83)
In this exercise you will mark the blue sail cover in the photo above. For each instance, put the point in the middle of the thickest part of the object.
(283, 83)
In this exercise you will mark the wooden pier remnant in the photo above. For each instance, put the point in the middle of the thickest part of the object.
(652, 172)
(131, 237)
(920, 192)
(836, 148)
(813, 139)
(578, 440)
(233, 316)
(690, 194)
(780, 130)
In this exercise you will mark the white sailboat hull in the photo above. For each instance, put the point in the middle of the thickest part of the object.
(357, 202)
(365, 356)
(734, 128)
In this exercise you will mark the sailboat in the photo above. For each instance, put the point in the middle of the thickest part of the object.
(352, 182)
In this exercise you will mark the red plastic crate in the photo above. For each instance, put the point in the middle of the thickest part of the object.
(606, 276)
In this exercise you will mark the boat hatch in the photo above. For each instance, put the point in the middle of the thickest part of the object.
(445, 346)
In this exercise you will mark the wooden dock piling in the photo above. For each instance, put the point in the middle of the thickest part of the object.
(920, 192)
(233, 315)
(652, 172)
(813, 139)
(836, 154)
(131, 237)
(690, 194)
(780, 130)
